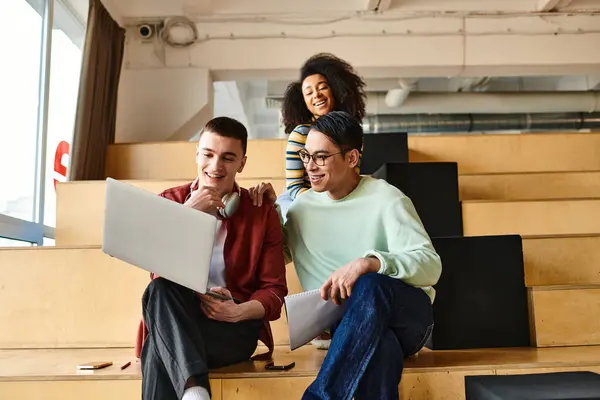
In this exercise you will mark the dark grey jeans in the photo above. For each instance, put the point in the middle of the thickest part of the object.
(182, 342)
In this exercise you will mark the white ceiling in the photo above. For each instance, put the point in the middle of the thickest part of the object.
(128, 10)
(246, 100)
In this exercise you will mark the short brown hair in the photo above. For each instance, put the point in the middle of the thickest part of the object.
(228, 127)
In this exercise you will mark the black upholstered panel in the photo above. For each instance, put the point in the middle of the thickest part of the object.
(552, 386)
(433, 189)
(381, 148)
(481, 299)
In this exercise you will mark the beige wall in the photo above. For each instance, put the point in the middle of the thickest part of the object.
(157, 104)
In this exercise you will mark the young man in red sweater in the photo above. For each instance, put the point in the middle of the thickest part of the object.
(184, 334)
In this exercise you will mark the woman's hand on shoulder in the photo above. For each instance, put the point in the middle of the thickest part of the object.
(261, 193)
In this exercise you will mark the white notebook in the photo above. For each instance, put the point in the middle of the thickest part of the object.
(309, 315)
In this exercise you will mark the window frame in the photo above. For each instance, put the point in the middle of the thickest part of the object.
(65, 19)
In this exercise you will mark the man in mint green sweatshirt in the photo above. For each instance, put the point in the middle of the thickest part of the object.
(360, 241)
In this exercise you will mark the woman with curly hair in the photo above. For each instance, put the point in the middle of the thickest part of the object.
(327, 83)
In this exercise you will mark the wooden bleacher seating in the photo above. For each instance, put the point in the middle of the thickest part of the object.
(145, 161)
(530, 186)
(561, 260)
(42, 284)
(51, 374)
(531, 217)
(475, 154)
(72, 303)
(80, 208)
(565, 315)
(68, 298)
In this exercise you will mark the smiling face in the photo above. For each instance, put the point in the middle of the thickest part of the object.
(219, 159)
(317, 95)
(333, 171)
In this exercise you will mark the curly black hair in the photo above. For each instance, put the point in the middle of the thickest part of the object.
(347, 87)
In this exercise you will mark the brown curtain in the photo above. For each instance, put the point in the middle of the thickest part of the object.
(97, 101)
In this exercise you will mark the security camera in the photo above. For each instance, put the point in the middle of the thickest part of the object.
(145, 31)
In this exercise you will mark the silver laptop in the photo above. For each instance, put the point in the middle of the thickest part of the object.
(158, 235)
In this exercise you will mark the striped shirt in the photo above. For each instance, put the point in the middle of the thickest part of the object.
(296, 178)
(295, 174)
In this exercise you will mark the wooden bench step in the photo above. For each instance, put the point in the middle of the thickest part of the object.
(505, 153)
(176, 160)
(530, 186)
(563, 260)
(80, 212)
(79, 297)
(80, 207)
(565, 315)
(57, 297)
(475, 154)
(29, 374)
(68, 297)
(531, 217)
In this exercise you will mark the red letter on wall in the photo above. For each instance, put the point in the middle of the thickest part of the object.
(62, 149)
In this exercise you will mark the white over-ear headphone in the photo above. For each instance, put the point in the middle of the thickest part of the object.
(230, 200)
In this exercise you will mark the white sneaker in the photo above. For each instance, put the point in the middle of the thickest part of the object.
(321, 344)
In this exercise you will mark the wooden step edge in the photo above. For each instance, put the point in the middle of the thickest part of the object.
(429, 136)
(538, 236)
(449, 136)
(591, 171)
(166, 142)
(79, 376)
(562, 236)
(307, 358)
(548, 288)
(576, 199)
(240, 178)
(135, 372)
(500, 367)
(417, 370)
(53, 248)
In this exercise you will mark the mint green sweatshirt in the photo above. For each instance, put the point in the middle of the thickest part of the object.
(376, 219)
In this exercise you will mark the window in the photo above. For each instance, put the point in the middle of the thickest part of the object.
(13, 243)
(20, 40)
(65, 67)
(37, 112)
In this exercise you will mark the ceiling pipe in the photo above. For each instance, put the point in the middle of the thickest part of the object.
(474, 84)
(487, 103)
(465, 123)
(395, 97)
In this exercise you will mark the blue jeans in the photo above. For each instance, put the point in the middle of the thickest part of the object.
(386, 321)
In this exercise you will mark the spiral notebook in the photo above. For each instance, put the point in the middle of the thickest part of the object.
(309, 315)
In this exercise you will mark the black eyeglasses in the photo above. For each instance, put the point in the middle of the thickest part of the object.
(318, 159)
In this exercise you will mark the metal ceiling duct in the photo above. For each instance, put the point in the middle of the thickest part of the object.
(487, 103)
(465, 123)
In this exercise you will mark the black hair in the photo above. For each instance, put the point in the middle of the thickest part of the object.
(346, 85)
(228, 127)
(342, 129)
